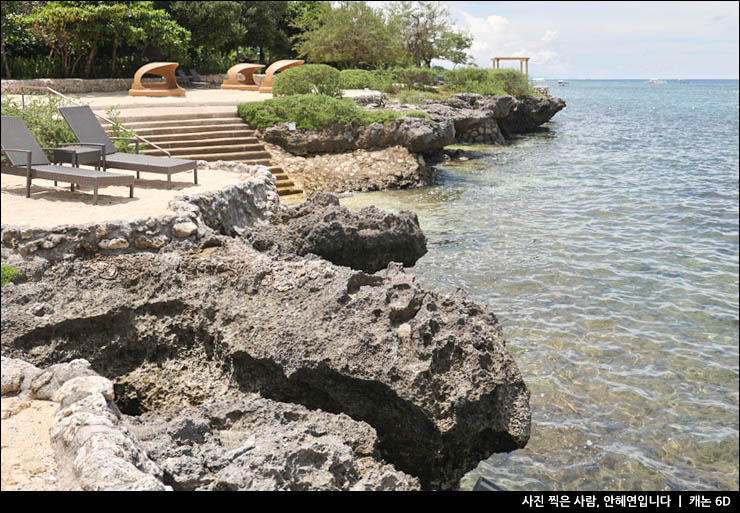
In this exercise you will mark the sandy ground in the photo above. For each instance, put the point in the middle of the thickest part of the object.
(52, 206)
(193, 99)
(27, 457)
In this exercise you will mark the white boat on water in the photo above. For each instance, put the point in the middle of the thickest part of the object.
(655, 81)
(562, 82)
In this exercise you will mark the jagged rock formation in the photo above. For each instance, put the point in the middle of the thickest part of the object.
(464, 117)
(256, 444)
(529, 113)
(366, 241)
(428, 372)
(415, 134)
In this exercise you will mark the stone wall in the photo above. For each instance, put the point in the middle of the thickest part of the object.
(94, 450)
(195, 218)
(82, 85)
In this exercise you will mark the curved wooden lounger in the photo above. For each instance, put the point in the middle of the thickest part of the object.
(246, 70)
(276, 67)
(164, 69)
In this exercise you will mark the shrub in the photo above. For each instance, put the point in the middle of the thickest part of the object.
(120, 131)
(308, 79)
(416, 114)
(310, 112)
(8, 273)
(411, 78)
(488, 81)
(417, 97)
(361, 79)
(42, 119)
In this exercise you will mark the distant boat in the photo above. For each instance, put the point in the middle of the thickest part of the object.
(562, 82)
(655, 81)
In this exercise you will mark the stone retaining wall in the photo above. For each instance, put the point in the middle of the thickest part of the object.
(94, 450)
(92, 85)
(195, 218)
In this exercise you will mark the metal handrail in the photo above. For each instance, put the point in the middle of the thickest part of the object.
(50, 90)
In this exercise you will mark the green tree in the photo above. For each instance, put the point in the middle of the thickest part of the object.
(214, 26)
(351, 35)
(427, 32)
(73, 30)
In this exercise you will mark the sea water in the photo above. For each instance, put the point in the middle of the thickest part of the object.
(607, 245)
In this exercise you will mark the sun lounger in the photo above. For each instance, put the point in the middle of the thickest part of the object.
(186, 81)
(195, 78)
(86, 128)
(27, 159)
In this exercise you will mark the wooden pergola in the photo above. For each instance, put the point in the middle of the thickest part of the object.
(523, 63)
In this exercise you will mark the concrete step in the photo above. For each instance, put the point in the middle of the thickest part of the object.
(235, 142)
(146, 132)
(237, 156)
(205, 136)
(255, 150)
(175, 116)
(289, 191)
(183, 122)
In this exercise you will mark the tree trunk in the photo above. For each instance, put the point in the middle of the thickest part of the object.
(5, 60)
(90, 58)
(113, 59)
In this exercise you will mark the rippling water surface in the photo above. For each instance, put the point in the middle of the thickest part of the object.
(607, 246)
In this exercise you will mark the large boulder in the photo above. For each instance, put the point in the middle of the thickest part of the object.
(367, 240)
(430, 373)
(529, 113)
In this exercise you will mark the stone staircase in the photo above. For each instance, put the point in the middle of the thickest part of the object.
(206, 135)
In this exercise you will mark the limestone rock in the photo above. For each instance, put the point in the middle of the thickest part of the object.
(257, 444)
(367, 241)
(442, 393)
(183, 230)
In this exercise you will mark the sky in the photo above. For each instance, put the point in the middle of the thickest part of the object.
(601, 40)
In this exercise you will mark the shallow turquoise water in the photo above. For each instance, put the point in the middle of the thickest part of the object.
(608, 248)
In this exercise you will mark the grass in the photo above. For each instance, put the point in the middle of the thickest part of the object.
(8, 274)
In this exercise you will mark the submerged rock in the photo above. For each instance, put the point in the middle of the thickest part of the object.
(428, 372)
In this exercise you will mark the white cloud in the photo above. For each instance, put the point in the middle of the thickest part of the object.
(550, 35)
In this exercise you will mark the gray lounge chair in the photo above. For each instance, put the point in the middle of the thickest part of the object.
(88, 131)
(27, 159)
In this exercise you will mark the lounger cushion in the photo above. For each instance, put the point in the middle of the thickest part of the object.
(138, 162)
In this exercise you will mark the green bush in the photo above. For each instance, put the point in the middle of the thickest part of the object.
(411, 78)
(362, 79)
(416, 97)
(310, 112)
(42, 118)
(308, 79)
(488, 81)
(120, 131)
(8, 273)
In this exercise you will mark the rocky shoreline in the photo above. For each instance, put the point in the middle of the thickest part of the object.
(239, 344)
(296, 314)
(401, 154)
